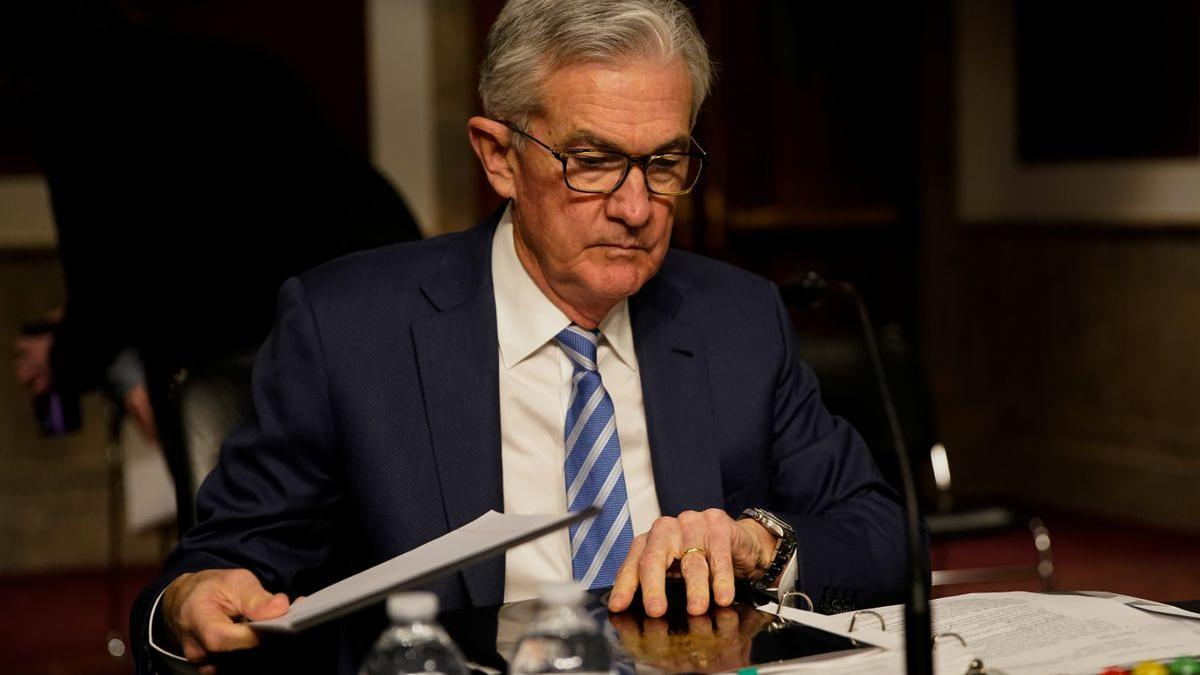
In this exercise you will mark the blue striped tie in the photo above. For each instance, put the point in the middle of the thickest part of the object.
(593, 467)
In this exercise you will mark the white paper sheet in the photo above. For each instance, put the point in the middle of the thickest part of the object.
(487, 535)
(1146, 605)
(1021, 632)
(149, 492)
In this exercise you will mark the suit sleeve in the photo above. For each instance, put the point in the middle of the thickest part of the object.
(849, 522)
(270, 504)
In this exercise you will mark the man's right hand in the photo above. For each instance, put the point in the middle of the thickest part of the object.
(203, 611)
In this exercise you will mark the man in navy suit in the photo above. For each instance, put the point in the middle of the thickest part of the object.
(556, 356)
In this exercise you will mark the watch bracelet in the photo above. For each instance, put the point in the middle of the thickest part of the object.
(784, 550)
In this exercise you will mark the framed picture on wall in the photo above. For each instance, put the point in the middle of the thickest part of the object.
(1078, 113)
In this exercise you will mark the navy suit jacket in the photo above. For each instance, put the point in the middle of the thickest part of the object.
(378, 429)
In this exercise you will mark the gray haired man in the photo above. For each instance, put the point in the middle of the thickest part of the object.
(558, 356)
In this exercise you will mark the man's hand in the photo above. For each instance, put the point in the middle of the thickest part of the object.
(709, 549)
(32, 362)
(202, 611)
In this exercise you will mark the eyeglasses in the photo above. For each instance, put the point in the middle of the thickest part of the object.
(604, 171)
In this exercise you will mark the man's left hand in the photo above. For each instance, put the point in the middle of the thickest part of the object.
(708, 549)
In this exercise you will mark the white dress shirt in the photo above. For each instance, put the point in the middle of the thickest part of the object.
(535, 388)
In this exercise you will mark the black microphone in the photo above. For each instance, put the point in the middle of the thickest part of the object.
(918, 632)
(808, 290)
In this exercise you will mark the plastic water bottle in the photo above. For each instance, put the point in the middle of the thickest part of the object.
(562, 637)
(415, 642)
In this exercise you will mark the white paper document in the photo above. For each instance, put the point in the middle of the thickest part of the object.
(487, 535)
(149, 495)
(1019, 632)
(1146, 605)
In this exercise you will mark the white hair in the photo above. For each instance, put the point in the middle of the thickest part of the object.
(532, 38)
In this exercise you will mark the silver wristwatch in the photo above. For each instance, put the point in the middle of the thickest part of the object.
(783, 551)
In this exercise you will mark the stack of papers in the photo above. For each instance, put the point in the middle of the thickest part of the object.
(1020, 632)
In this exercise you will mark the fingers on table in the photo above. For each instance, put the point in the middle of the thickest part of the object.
(664, 544)
(626, 582)
(720, 555)
(693, 560)
(701, 542)
(715, 529)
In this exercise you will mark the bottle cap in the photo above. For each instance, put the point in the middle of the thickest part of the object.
(562, 593)
(412, 606)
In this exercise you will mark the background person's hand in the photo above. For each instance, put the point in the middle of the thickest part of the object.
(708, 549)
(31, 361)
(202, 610)
(137, 406)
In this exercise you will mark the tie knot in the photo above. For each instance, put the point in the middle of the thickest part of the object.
(580, 345)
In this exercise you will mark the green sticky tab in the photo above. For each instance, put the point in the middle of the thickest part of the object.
(748, 671)
(1185, 665)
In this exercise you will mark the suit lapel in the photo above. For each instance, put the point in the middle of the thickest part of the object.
(675, 386)
(458, 363)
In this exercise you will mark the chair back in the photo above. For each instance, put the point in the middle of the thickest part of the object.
(195, 408)
(212, 400)
(832, 343)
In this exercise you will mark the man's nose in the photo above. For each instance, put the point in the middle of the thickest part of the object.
(630, 203)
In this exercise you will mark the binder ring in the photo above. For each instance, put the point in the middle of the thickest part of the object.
(976, 668)
(869, 612)
(938, 637)
(783, 601)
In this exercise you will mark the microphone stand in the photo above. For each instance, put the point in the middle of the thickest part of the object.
(918, 632)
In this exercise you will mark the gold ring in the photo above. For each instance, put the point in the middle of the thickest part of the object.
(694, 549)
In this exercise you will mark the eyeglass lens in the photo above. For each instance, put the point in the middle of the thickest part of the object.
(599, 171)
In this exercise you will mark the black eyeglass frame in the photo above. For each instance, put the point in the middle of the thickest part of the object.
(643, 161)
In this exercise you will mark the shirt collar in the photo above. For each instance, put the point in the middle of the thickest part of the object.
(525, 317)
(618, 333)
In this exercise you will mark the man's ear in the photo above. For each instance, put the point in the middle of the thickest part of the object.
(491, 141)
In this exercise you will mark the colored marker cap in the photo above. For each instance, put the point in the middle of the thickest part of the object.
(1185, 665)
(1150, 668)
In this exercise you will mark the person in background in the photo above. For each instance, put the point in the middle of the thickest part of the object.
(189, 177)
